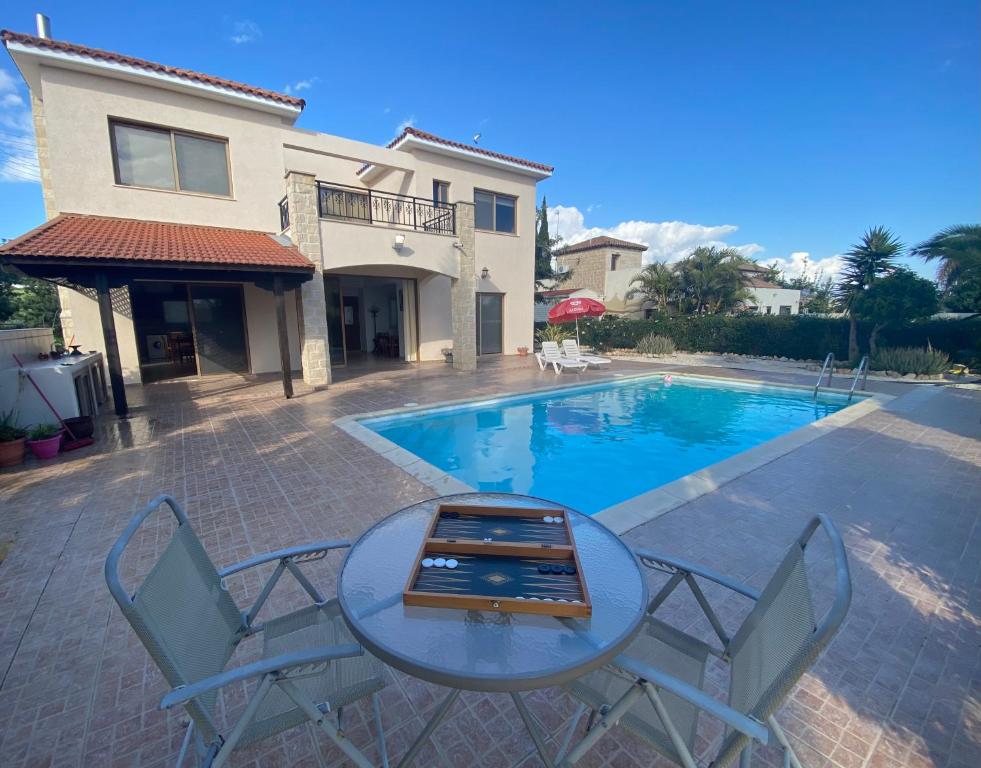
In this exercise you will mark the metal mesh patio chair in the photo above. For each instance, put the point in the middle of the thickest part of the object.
(654, 689)
(190, 626)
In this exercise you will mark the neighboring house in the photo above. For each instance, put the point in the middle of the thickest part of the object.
(194, 229)
(545, 300)
(606, 266)
(769, 298)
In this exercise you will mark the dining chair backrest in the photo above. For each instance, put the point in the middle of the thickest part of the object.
(185, 619)
(779, 639)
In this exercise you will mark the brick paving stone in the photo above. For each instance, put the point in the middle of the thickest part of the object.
(899, 687)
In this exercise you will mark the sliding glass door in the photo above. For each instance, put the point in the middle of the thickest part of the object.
(218, 318)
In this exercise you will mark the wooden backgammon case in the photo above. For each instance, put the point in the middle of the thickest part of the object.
(494, 558)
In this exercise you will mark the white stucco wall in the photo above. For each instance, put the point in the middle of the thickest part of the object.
(774, 298)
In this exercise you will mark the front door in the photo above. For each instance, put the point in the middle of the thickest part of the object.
(219, 328)
(352, 323)
(490, 323)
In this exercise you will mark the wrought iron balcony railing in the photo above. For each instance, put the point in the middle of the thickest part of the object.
(358, 204)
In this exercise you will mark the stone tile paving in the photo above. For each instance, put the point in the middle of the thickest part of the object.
(900, 686)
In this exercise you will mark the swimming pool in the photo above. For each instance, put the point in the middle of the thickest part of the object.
(595, 446)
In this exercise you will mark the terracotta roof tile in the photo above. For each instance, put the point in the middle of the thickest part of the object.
(118, 58)
(74, 236)
(465, 147)
(601, 242)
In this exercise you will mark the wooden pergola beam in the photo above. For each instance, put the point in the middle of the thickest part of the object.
(284, 340)
(112, 345)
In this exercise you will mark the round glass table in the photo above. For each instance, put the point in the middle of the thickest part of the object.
(487, 651)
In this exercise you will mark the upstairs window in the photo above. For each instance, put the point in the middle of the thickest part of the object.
(494, 212)
(613, 262)
(161, 158)
(441, 193)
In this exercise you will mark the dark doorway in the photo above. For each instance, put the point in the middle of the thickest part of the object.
(218, 317)
(490, 323)
(352, 323)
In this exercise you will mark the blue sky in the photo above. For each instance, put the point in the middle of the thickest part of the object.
(785, 128)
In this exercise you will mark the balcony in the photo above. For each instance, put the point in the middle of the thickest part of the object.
(339, 201)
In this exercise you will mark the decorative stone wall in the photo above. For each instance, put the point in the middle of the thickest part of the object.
(463, 292)
(589, 268)
(301, 192)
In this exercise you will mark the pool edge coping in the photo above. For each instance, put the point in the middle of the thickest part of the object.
(650, 505)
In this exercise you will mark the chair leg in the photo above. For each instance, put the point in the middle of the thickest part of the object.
(606, 722)
(376, 710)
(662, 713)
(746, 756)
(356, 755)
(185, 744)
(790, 759)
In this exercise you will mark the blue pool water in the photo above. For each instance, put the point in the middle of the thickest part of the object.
(595, 446)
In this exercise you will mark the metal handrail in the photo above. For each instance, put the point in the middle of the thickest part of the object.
(829, 365)
(362, 204)
(863, 371)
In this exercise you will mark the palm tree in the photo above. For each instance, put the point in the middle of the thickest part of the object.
(865, 262)
(959, 250)
(656, 282)
(710, 280)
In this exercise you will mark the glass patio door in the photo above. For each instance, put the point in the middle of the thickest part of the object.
(490, 323)
(218, 319)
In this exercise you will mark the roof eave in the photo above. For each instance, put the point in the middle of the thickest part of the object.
(78, 62)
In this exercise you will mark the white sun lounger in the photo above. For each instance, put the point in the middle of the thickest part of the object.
(550, 355)
(570, 347)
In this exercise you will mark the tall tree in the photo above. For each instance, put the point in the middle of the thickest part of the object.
(657, 282)
(958, 249)
(545, 274)
(869, 259)
(900, 297)
(710, 281)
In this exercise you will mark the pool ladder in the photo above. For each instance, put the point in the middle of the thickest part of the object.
(829, 365)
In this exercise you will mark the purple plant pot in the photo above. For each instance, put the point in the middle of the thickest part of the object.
(47, 448)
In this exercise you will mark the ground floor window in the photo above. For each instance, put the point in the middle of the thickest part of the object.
(784, 309)
(490, 323)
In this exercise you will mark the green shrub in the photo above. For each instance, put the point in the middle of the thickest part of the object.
(9, 431)
(799, 337)
(655, 344)
(550, 332)
(919, 360)
(43, 431)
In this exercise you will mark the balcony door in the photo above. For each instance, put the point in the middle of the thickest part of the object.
(490, 323)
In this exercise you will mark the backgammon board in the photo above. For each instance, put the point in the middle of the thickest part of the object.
(494, 558)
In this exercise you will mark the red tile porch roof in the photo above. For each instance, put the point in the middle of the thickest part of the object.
(601, 242)
(131, 61)
(155, 243)
(465, 147)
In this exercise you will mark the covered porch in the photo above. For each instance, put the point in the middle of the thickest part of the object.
(164, 300)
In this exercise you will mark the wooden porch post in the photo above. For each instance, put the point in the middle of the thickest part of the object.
(284, 342)
(112, 345)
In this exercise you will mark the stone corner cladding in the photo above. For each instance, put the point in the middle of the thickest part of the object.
(462, 292)
(301, 195)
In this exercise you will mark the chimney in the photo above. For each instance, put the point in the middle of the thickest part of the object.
(43, 26)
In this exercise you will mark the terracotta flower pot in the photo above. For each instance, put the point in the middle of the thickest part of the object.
(522, 351)
(12, 452)
(47, 448)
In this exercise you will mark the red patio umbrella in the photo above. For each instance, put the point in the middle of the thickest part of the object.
(571, 310)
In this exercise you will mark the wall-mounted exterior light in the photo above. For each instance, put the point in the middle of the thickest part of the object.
(399, 242)
(484, 273)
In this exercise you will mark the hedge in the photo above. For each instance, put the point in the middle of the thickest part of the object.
(797, 336)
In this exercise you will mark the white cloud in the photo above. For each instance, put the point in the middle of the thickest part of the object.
(800, 262)
(300, 85)
(665, 240)
(245, 31)
(407, 123)
(18, 154)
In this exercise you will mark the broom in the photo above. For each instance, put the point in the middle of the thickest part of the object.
(67, 445)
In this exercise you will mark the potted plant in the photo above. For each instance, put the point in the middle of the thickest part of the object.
(12, 441)
(44, 440)
(522, 351)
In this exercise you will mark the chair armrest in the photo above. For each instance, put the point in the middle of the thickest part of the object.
(650, 556)
(742, 723)
(185, 693)
(306, 551)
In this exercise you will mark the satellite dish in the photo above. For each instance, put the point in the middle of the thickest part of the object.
(476, 138)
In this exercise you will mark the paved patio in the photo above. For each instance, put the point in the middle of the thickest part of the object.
(900, 686)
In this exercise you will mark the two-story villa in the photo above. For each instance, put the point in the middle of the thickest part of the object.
(193, 228)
